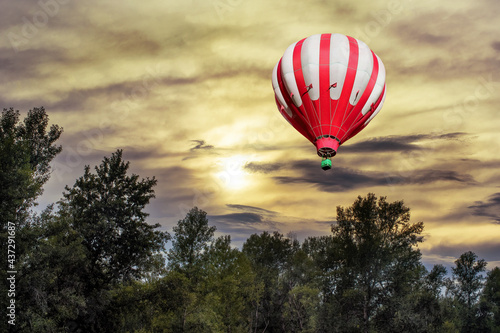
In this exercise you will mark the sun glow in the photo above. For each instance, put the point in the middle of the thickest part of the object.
(233, 175)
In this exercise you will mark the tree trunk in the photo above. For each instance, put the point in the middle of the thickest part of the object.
(365, 314)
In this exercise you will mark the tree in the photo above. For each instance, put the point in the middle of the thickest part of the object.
(51, 290)
(420, 310)
(106, 210)
(325, 273)
(467, 286)
(191, 239)
(271, 257)
(468, 277)
(491, 296)
(377, 261)
(190, 242)
(430, 297)
(229, 285)
(26, 150)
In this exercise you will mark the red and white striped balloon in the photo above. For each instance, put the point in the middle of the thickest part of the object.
(329, 87)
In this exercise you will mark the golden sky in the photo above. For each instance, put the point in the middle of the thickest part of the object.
(184, 87)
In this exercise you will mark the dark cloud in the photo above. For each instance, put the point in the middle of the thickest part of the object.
(248, 219)
(25, 64)
(489, 208)
(397, 143)
(449, 136)
(442, 35)
(138, 153)
(488, 251)
(251, 209)
(263, 167)
(125, 97)
(242, 224)
(496, 45)
(414, 34)
(13, 13)
(80, 150)
(244, 218)
(430, 176)
(341, 179)
(200, 145)
(346, 178)
(131, 43)
(384, 144)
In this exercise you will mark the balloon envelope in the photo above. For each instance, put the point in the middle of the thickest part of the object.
(329, 87)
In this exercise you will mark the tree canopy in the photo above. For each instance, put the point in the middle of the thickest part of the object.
(93, 263)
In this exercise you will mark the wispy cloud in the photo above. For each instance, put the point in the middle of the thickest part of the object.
(200, 145)
(184, 88)
(345, 179)
(485, 250)
(397, 143)
(263, 167)
(489, 208)
(252, 209)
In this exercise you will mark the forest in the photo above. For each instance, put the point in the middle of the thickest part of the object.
(91, 262)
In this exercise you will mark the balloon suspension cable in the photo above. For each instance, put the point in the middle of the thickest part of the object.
(326, 163)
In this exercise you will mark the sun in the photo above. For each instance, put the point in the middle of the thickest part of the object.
(232, 175)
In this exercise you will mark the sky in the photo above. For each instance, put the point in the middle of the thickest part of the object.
(184, 88)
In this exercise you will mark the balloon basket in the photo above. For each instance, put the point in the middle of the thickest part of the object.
(326, 164)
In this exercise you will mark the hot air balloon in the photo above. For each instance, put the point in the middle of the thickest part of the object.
(329, 87)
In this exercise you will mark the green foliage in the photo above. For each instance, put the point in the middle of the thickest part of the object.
(51, 291)
(271, 257)
(192, 237)
(301, 308)
(373, 246)
(107, 210)
(491, 296)
(466, 287)
(219, 287)
(26, 149)
(469, 281)
(83, 257)
(94, 264)
(230, 282)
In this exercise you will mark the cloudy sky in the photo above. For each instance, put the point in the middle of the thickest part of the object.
(184, 88)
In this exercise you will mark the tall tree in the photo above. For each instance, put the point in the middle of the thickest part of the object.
(51, 290)
(468, 283)
(106, 209)
(491, 296)
(468, 276)
(230, 285)
(303, 301)
(375, 248)
(192, 237)
(271, 257)
(430, 298)
(190, 242)
(26, 150)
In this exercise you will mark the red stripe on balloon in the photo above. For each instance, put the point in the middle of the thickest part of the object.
(324, 84)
